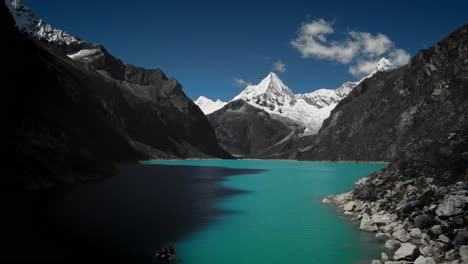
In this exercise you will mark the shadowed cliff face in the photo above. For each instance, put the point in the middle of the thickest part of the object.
(72, 119)
(245, 130)
(400, 111)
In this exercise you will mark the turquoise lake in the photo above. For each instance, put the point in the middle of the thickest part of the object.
(280, 219)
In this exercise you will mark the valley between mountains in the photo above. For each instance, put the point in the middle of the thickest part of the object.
(78, 111)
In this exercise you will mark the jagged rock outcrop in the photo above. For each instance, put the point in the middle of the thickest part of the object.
(400, 111)
(73, 119)
(244, 130)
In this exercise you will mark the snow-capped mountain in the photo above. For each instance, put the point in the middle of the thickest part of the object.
(36, 27)
(208, 106)
(310, 109)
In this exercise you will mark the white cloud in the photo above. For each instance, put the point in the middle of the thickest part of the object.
(312, 41)
(279, 66)
(399, 57)
(362, 50)
(372, 44)
(242, 83)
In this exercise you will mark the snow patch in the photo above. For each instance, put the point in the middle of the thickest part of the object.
(209, 106)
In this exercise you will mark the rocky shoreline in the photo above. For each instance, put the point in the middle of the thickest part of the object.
(418, 205)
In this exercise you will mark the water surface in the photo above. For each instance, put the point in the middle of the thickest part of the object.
(281, 219)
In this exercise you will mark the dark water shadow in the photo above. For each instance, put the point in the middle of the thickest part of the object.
(121, 219)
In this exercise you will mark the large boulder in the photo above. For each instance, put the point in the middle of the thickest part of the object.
(392, 244)
(367, 224)
(407, 251)
(450, 206)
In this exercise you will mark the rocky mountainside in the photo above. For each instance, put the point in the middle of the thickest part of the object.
(274, 97)
(400, 111)
(73, 118)
(244, 130)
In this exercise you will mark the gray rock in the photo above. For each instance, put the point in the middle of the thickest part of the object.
(462, 185)
(425, 238)
(424, 260)
(367, 224)
(350, 206)
(384, 257)
(382, 236)
(461, 239)
(464, 253)
(415, 232)
(359, 206)
(444, 239)
(436, 230)
(392, 244)
(450, 206)
(407, 251)
(401, 235)
(422, 221)
(427, 251)
(451, 254)
(375, 261)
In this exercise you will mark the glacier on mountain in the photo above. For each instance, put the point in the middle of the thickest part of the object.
(209, 106)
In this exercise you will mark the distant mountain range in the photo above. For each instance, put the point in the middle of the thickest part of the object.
(274, 97)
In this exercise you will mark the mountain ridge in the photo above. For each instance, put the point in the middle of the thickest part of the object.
(275, 97)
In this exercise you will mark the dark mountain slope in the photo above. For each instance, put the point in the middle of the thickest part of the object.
(244, 130)
(400, 111)
(70, 120)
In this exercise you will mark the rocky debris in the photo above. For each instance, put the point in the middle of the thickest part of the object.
(418, 204)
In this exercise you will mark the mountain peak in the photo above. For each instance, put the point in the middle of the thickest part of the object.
(27, 22)
(270, 86)
(385, 65)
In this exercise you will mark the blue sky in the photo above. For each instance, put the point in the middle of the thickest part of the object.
(209, 46)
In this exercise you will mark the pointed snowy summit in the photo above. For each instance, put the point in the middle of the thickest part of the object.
(271, 87)
(385, 65)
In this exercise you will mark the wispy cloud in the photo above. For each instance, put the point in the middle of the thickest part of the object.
(242, 83)
(362, 50)
(279, 66)
(363, 68)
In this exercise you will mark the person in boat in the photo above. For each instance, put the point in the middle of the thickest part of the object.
(172, 254)
(162, 256)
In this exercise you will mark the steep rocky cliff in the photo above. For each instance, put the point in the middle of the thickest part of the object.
(74, 119)
(400, 111)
